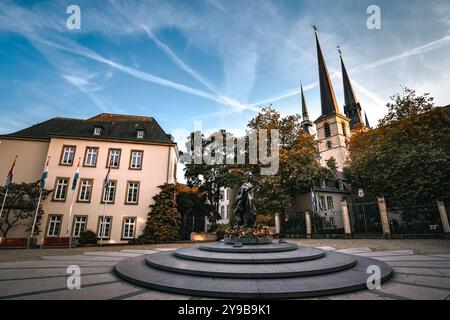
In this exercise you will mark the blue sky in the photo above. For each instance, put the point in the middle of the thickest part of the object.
(212, 60)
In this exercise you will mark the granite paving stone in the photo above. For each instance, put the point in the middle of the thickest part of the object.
(20, 287)
(112, 254)
(413, 291)
(15, 274)
(97, 292)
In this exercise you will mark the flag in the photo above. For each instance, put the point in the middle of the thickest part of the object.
(44, 175)
(75, 178)
(107, 179)
(9, 177)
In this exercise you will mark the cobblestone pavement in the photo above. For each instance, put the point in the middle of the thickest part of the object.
(419, 246)
(416, 276)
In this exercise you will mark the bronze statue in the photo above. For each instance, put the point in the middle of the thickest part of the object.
(245, 213)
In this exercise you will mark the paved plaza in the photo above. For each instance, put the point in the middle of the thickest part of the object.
(415, 276)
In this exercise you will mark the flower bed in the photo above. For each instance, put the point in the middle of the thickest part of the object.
(256, 235)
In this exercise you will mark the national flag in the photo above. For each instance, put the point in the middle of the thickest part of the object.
(75, 178)
(9, 177)
(107, 179)
(44, 175)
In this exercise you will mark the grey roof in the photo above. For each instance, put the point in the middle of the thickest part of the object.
(114, 127)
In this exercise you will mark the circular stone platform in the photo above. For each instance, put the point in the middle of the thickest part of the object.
(221, 246)
(298, 272)
(241, 256)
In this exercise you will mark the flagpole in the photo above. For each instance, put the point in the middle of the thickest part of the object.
(9, 182)
(74, 188)
(68, 232)
(4, 200)
(35, 219)
(107, 194)
(103, 228)
(42, 188)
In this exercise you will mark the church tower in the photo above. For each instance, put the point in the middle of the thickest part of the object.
(352, 108)
(333, 129)
(306, 124)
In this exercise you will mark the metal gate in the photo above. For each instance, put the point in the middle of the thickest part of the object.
(294, 225)
(365, 220)
(417, 221)
(328, 223)
(191, 223)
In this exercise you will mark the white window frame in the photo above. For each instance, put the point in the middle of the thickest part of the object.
(108, 221)
(330, 204)
(133, 190)
(79, 225)
(129, 223)
(91, 157)
(114, 154)
(107, 196)
(54, 226)
(85, 184)
(97, 131)
(321, 202)
(60, 186)
(140, 134)
(68, 155)
(135, 156)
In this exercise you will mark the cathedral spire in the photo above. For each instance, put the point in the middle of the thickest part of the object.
(306, 123)
(305, 113)
(367, 120)
(352, 107)
(327, 97)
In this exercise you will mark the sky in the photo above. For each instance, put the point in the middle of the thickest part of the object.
(215, 61)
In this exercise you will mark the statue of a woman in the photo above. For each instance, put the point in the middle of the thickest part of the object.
(245, 208)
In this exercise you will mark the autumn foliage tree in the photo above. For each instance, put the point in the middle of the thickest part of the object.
(163, 222)
(406, 158)
(298, 166)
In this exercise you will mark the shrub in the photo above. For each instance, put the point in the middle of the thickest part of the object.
(220, 230)
(265, 219)
(88, 237)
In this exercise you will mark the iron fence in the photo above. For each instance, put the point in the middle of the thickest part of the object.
(327, 223)
(365, 220)
(294, 225)
(415, 221)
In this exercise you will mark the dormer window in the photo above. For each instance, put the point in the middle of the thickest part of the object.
(97, 131)
(140, 134)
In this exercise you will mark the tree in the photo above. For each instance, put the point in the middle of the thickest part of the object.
(298, 166)
(20, 207)
(406, 159)
(191, 204)
(163, 222)
(332, 164)
(407, 105)
(210, 177)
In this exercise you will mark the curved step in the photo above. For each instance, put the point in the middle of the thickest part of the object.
(302, 254)
(331, 262)
(136, 270)
(221, 246)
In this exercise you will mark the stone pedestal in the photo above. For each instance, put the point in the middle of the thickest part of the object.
(444, 218)
(384, 218)
(346, 219)
(277, 223)
(266, 271)
(308, 224)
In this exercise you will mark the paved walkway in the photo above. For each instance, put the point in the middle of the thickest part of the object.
(416, 277)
